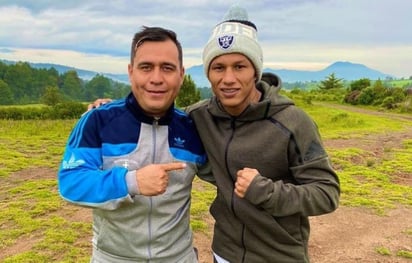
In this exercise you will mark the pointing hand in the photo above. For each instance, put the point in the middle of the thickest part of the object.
(153, 179)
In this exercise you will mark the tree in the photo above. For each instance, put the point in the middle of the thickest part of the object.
(71, 85)
(19, 79)
(43, 78)
(120, 90)
(367, 96)
(380, 92)
(51, 96)
(6, 96)
(360, 84)
(98, 87)
(331, 82)
(3, 69)
(395, 96)
(188, 94)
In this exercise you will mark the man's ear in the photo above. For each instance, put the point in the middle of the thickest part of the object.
(130, 72)
(182, 76)
(130, 69)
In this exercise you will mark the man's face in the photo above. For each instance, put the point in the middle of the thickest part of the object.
(232, 77)
(156, 76)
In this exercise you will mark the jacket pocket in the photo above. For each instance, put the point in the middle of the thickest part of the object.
(294, 226)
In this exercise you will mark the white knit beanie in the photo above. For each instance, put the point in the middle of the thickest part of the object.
(235, 35)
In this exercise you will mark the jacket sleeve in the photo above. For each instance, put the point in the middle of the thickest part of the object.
(314, 186)
(81, 179)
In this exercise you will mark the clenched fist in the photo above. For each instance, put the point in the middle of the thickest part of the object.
(244, 178)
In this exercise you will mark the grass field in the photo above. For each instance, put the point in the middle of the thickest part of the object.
(36, 225)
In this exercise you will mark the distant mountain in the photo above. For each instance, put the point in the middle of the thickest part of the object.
(344, 70)
(82, 73)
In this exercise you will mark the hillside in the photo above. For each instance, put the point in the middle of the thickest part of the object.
(82, 73)
(344, 70)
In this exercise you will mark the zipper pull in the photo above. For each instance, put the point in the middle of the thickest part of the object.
(156, 121)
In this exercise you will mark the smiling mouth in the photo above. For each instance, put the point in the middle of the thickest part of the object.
(229, 92)
(156, 91)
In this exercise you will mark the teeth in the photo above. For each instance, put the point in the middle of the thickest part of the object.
(229, 90)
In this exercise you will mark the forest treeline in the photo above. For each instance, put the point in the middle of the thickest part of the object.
(21, 84)
(65, 95)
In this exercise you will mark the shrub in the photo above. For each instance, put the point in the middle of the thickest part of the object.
(407, 105)
(366, 96)
(66, 110)
(23, 113)
(352, 97)
(389, 103)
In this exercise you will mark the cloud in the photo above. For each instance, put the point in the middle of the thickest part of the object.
(292, 32)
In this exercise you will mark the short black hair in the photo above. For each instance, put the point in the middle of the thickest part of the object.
(156, 34)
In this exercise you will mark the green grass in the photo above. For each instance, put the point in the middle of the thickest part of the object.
(32, 144)
(370, 184)
(31, 210)
(202, 197)
(400, 83)
(383, 251)
(336, 123)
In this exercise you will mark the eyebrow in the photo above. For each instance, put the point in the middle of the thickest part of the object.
(245, 60)
(164, 63)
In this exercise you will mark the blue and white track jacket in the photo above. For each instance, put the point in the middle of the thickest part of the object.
(103, 151)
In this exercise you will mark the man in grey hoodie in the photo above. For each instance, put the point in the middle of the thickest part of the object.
(269, 165)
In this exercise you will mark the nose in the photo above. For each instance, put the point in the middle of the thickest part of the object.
(156, 76)
(229, 76)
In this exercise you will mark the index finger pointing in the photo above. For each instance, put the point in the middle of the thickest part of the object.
(173, 166)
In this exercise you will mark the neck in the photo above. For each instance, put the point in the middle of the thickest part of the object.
(256, 97)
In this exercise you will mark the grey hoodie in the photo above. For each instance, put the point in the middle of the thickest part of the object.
(296, 179)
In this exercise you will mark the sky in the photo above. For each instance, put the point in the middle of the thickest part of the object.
(294, 34)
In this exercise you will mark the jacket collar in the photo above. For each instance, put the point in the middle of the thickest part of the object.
(138, 112)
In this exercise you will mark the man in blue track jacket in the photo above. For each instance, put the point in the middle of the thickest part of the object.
(133, 161)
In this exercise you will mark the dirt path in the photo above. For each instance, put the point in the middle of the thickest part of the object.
(348, 235)
(353, 235)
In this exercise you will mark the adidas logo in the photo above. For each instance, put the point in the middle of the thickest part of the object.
(179, 142)
(72, 162)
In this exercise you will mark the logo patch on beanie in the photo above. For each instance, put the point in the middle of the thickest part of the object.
(225, 42)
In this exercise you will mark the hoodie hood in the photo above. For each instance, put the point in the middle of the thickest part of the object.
(272, 79)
